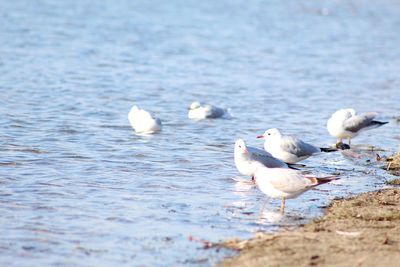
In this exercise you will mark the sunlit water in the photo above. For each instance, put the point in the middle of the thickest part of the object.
(79, 188)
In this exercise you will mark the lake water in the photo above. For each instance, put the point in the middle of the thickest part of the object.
(79, 188)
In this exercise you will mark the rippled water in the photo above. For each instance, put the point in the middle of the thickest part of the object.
(79, 188)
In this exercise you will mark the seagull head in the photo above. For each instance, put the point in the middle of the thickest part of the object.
(343, 114)
(270, 133)
(134, 108)
(194, 105)
(351, 111)
(240, 146)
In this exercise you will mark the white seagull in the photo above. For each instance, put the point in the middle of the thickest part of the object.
(246, 155)
(346, 123)
(285, 183)
(143, 122)
(201, 111)
(289, 148)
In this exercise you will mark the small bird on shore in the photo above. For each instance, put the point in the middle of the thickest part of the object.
(285, 183)
(143, 122)
(201, 111)
(289, 148)
(246, 155)
(346, 123)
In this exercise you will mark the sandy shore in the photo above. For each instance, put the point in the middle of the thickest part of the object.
(360, 231)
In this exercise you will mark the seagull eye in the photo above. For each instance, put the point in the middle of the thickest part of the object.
(269, 134)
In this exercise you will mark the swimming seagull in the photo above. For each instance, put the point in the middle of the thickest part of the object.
(143, 122)
(285, 183)
(200, 111)
(289, 148)
(246, 155)
(346, 123)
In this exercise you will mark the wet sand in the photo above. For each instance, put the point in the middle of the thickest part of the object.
(359, 231)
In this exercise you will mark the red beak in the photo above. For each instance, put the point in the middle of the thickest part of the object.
(260, 136)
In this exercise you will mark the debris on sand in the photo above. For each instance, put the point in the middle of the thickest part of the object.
(393, 182)
(393, 164)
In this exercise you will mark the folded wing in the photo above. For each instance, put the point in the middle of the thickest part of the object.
(360, 122)
(297, 147)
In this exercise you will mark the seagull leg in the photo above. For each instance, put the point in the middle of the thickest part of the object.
(339, 142)
(349, 140)
(263, 207)
(253, 180)
(283, 205)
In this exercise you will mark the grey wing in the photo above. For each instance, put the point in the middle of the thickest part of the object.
(297, 147)
(359, 122)
(216, 112)
(265, 158)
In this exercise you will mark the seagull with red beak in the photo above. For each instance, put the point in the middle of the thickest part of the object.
(289, 148)
(245, 156)
(285, 183)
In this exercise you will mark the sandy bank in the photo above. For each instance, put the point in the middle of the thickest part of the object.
(360, 231)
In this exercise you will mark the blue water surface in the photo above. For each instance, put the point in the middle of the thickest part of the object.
(79, 188)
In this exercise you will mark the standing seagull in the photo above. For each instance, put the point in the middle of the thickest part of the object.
(289, 148)
(285, 183)
(143, 122)
(246, 155)
(346, 123)
(201, 111)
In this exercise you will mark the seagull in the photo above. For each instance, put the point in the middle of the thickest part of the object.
(143, 122)
(285, 183)
(289, 148)
(201, 111)
(346, 123)
(246, 155)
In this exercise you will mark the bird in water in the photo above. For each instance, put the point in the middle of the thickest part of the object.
(285, 183)
(245, 155)
(201, 111)
(143, 122)
(289, 148)
(346, 123)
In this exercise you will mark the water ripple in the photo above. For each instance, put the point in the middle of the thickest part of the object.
(80, 188)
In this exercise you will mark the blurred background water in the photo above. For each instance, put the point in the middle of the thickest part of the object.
(79, 188)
